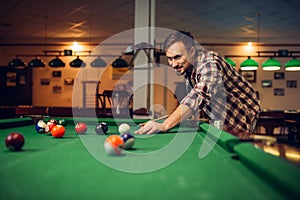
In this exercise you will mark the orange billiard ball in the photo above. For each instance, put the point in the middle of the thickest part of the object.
(113, 145)
(58, 131)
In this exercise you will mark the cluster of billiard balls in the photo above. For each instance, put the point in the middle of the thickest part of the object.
(54, 127)
(15, 140)
(113, 145)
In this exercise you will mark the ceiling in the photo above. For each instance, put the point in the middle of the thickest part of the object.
(218, 21)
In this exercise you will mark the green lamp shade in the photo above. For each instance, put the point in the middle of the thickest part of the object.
(292, 65)
(271, 65)
(98, 62)
(56, 62)
(16, 62)
(77, 62)
(249, 64)
(231, 62)
(36, 63)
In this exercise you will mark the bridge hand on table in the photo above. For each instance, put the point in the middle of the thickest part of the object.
(150, 127)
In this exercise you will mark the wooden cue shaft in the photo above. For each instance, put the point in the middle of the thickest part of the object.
(163, 117)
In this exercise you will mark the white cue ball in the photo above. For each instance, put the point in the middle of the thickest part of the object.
(124, 128)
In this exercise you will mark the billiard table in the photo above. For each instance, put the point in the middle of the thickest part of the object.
(187, 162)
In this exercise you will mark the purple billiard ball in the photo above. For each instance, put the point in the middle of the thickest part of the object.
(15, 141)
(101, 128)
(128, 140)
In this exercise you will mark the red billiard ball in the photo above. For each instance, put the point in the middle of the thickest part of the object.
(49, 127)
(113, 145)
(81, 128)
(52, 121)
(101, 128)
(15, 141)
(58, 131)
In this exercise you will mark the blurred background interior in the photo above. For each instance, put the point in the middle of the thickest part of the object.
(50, 64)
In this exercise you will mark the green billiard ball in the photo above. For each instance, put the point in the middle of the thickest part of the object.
(63, 122)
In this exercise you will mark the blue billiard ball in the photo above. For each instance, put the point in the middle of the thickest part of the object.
(128, 140)
(40, 126)
(39, 129)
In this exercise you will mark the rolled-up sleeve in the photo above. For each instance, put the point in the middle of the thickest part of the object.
(207, 75)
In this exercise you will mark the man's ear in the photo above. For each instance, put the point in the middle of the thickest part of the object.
(193, 51)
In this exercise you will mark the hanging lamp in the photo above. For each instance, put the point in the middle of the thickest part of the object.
(249, 64)
(37, 62)
(230, 61)
(56, 62)
(292, 65)
(98, 62)
(77, 62)
(119, 63)
(16, 62)
(271, 65)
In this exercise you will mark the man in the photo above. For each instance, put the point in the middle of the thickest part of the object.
(217, 88)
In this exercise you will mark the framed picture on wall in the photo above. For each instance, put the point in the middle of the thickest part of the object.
(266, 83)
(45, 81)
(249, 75)
(291, 84)
(278, 91)
(11, 79)
(22, 80)
(56, 89)
(279, 75)
(56, 74)
(69, 81)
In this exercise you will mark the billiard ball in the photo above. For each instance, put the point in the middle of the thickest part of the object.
(49, 127)
(128, 140)
(113, 145)
(42, 123)
(62, 122)
(52, 121)
(39, 129)
(15, 141)
(58, 131)
(81, 128)
(124, 128)
(40, 126)
(101, 128)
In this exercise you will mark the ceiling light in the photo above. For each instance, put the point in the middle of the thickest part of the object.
(56, 62)
(119, 63)
(16, 62)
(271, 65)
(77, 63)
(292, 65)
(231, 62)
(36, 63)
(98, 62)
(249, 64)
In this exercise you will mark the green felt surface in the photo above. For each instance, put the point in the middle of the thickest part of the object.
(50, 168)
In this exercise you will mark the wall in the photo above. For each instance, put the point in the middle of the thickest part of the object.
(72, 95)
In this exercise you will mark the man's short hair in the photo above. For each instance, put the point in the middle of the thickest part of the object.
(179, 36)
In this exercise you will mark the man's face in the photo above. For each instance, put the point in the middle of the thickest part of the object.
(179, 58)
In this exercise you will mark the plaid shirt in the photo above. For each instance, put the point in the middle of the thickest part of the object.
(221, 92)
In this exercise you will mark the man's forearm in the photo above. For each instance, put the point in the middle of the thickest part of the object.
(181, 113)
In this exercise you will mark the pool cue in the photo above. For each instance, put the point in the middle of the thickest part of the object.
(154, 120)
